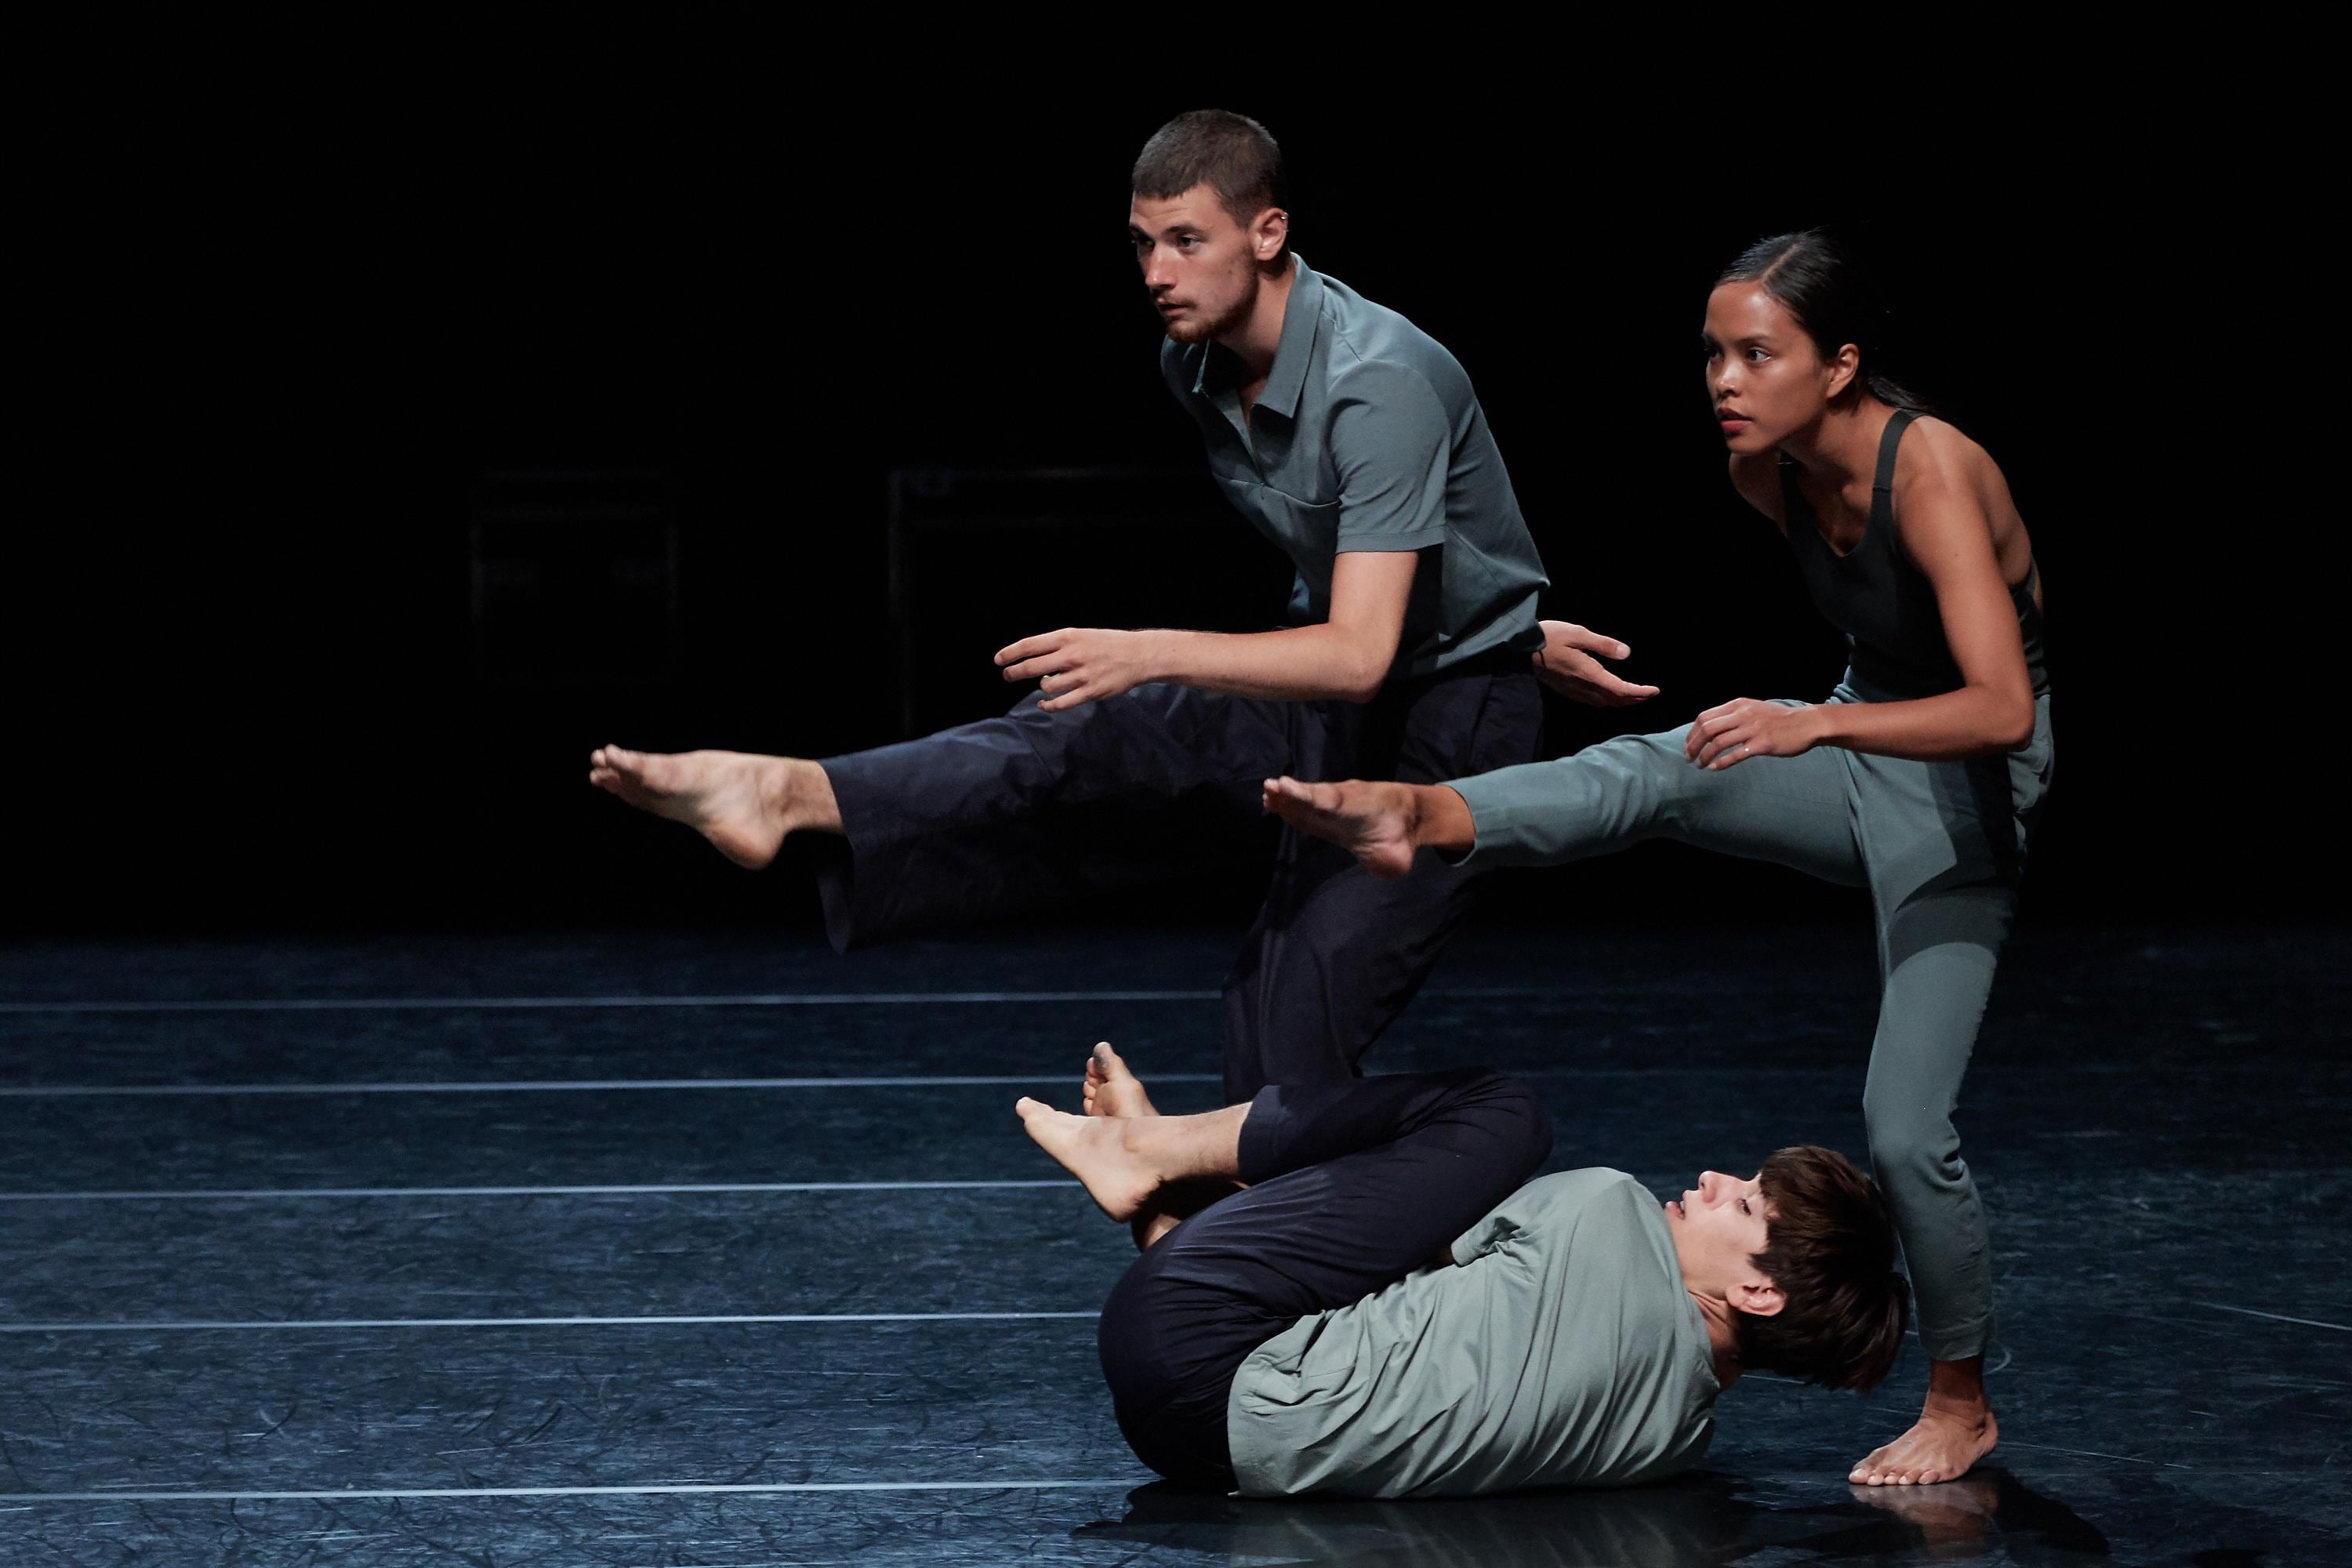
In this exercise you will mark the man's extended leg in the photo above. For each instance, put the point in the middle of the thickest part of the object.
(743, 803)
(1354, 1184)
(1005, 816)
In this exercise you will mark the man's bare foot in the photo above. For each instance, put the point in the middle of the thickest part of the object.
(1095, 1150)
(743, 804)
(1111, 1090)
(1373, 822)
(1943, 1447)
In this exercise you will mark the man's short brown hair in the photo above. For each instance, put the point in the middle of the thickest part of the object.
(1230, 152)
(1829, 1244)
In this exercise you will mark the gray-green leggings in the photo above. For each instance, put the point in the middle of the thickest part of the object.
(1939, 845)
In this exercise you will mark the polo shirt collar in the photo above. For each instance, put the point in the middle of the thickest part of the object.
(1290, 356)
(1288, 377)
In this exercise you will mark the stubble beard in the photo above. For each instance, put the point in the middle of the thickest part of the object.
(1196, 328)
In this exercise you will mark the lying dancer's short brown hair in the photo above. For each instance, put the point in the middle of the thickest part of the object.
(1829, 1244)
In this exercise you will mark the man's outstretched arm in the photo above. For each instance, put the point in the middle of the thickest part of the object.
(1347, 656)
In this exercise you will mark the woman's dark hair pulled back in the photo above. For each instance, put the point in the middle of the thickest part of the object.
(1819, 282)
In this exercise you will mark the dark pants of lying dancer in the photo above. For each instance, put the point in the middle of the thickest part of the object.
(1352, 1187)
(1032, 810)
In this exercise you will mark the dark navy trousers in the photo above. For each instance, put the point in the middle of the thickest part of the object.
(1353, 1185)
(1032, 810)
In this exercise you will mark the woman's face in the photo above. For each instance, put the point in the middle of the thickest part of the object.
(1765, 379)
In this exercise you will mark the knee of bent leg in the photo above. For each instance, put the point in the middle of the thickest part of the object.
(1134, 1333)
(1517, 1117)
(1907, 1132)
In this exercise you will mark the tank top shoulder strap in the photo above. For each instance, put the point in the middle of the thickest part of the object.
(1882, 483)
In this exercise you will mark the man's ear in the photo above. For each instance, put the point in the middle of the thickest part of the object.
(1268, 231)
(1757, 1297)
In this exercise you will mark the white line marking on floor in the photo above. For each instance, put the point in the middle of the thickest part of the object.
(2278, 1317)
(551, 1085)
(227, 1195)
(462, 1003)
(204, 1325)
(767, 999)
(688, 1488)
(635, 1085)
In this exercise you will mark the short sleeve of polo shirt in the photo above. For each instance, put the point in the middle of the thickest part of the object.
(1392, 445)
(1524, 1212)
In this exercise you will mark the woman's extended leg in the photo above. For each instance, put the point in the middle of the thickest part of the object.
(1793, 811)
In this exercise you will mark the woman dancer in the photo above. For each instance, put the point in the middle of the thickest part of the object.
(1920, 777)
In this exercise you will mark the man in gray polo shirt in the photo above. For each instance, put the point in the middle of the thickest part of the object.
(1353, 441)
(1386, 1310)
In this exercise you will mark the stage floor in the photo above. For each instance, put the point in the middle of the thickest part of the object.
(726, 1251)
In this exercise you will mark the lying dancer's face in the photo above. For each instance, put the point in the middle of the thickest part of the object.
(1718, 1228)
(1765, 378)
(1199, 262)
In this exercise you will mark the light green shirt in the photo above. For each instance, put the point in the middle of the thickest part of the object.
(1368, 436)
(1560, 1350)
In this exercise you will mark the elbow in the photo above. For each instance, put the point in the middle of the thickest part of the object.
(1363, 672)
(2015, 731)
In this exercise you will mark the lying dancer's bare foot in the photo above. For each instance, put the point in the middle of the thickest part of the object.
(1125, 1160)
(1373, 822)
(1111, 1090)
(743, 804)
(1151, 1224)
(1095, 1150)
(1954, 1431)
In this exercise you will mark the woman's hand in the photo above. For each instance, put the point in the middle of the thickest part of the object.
(1569, 663)
(1079, 664)
(1744, 728)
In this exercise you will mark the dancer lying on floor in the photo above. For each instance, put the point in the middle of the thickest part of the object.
(1385, 1310)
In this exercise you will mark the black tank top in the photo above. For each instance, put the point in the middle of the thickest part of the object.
(1884, 605)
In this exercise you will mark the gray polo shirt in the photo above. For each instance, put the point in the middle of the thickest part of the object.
(1560, 1350)
(1368, 436)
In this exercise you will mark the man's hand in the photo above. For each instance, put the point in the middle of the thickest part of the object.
(1568, 664)
(1074, 665)
(1743, 728)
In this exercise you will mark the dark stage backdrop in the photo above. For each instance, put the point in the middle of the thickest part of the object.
(387, 452)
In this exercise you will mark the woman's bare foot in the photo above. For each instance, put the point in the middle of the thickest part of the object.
(743, 804)
(1111, 1090)
(1943, 1447)
(1949, 1514)
(1097, 1150)
(1373, 822)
